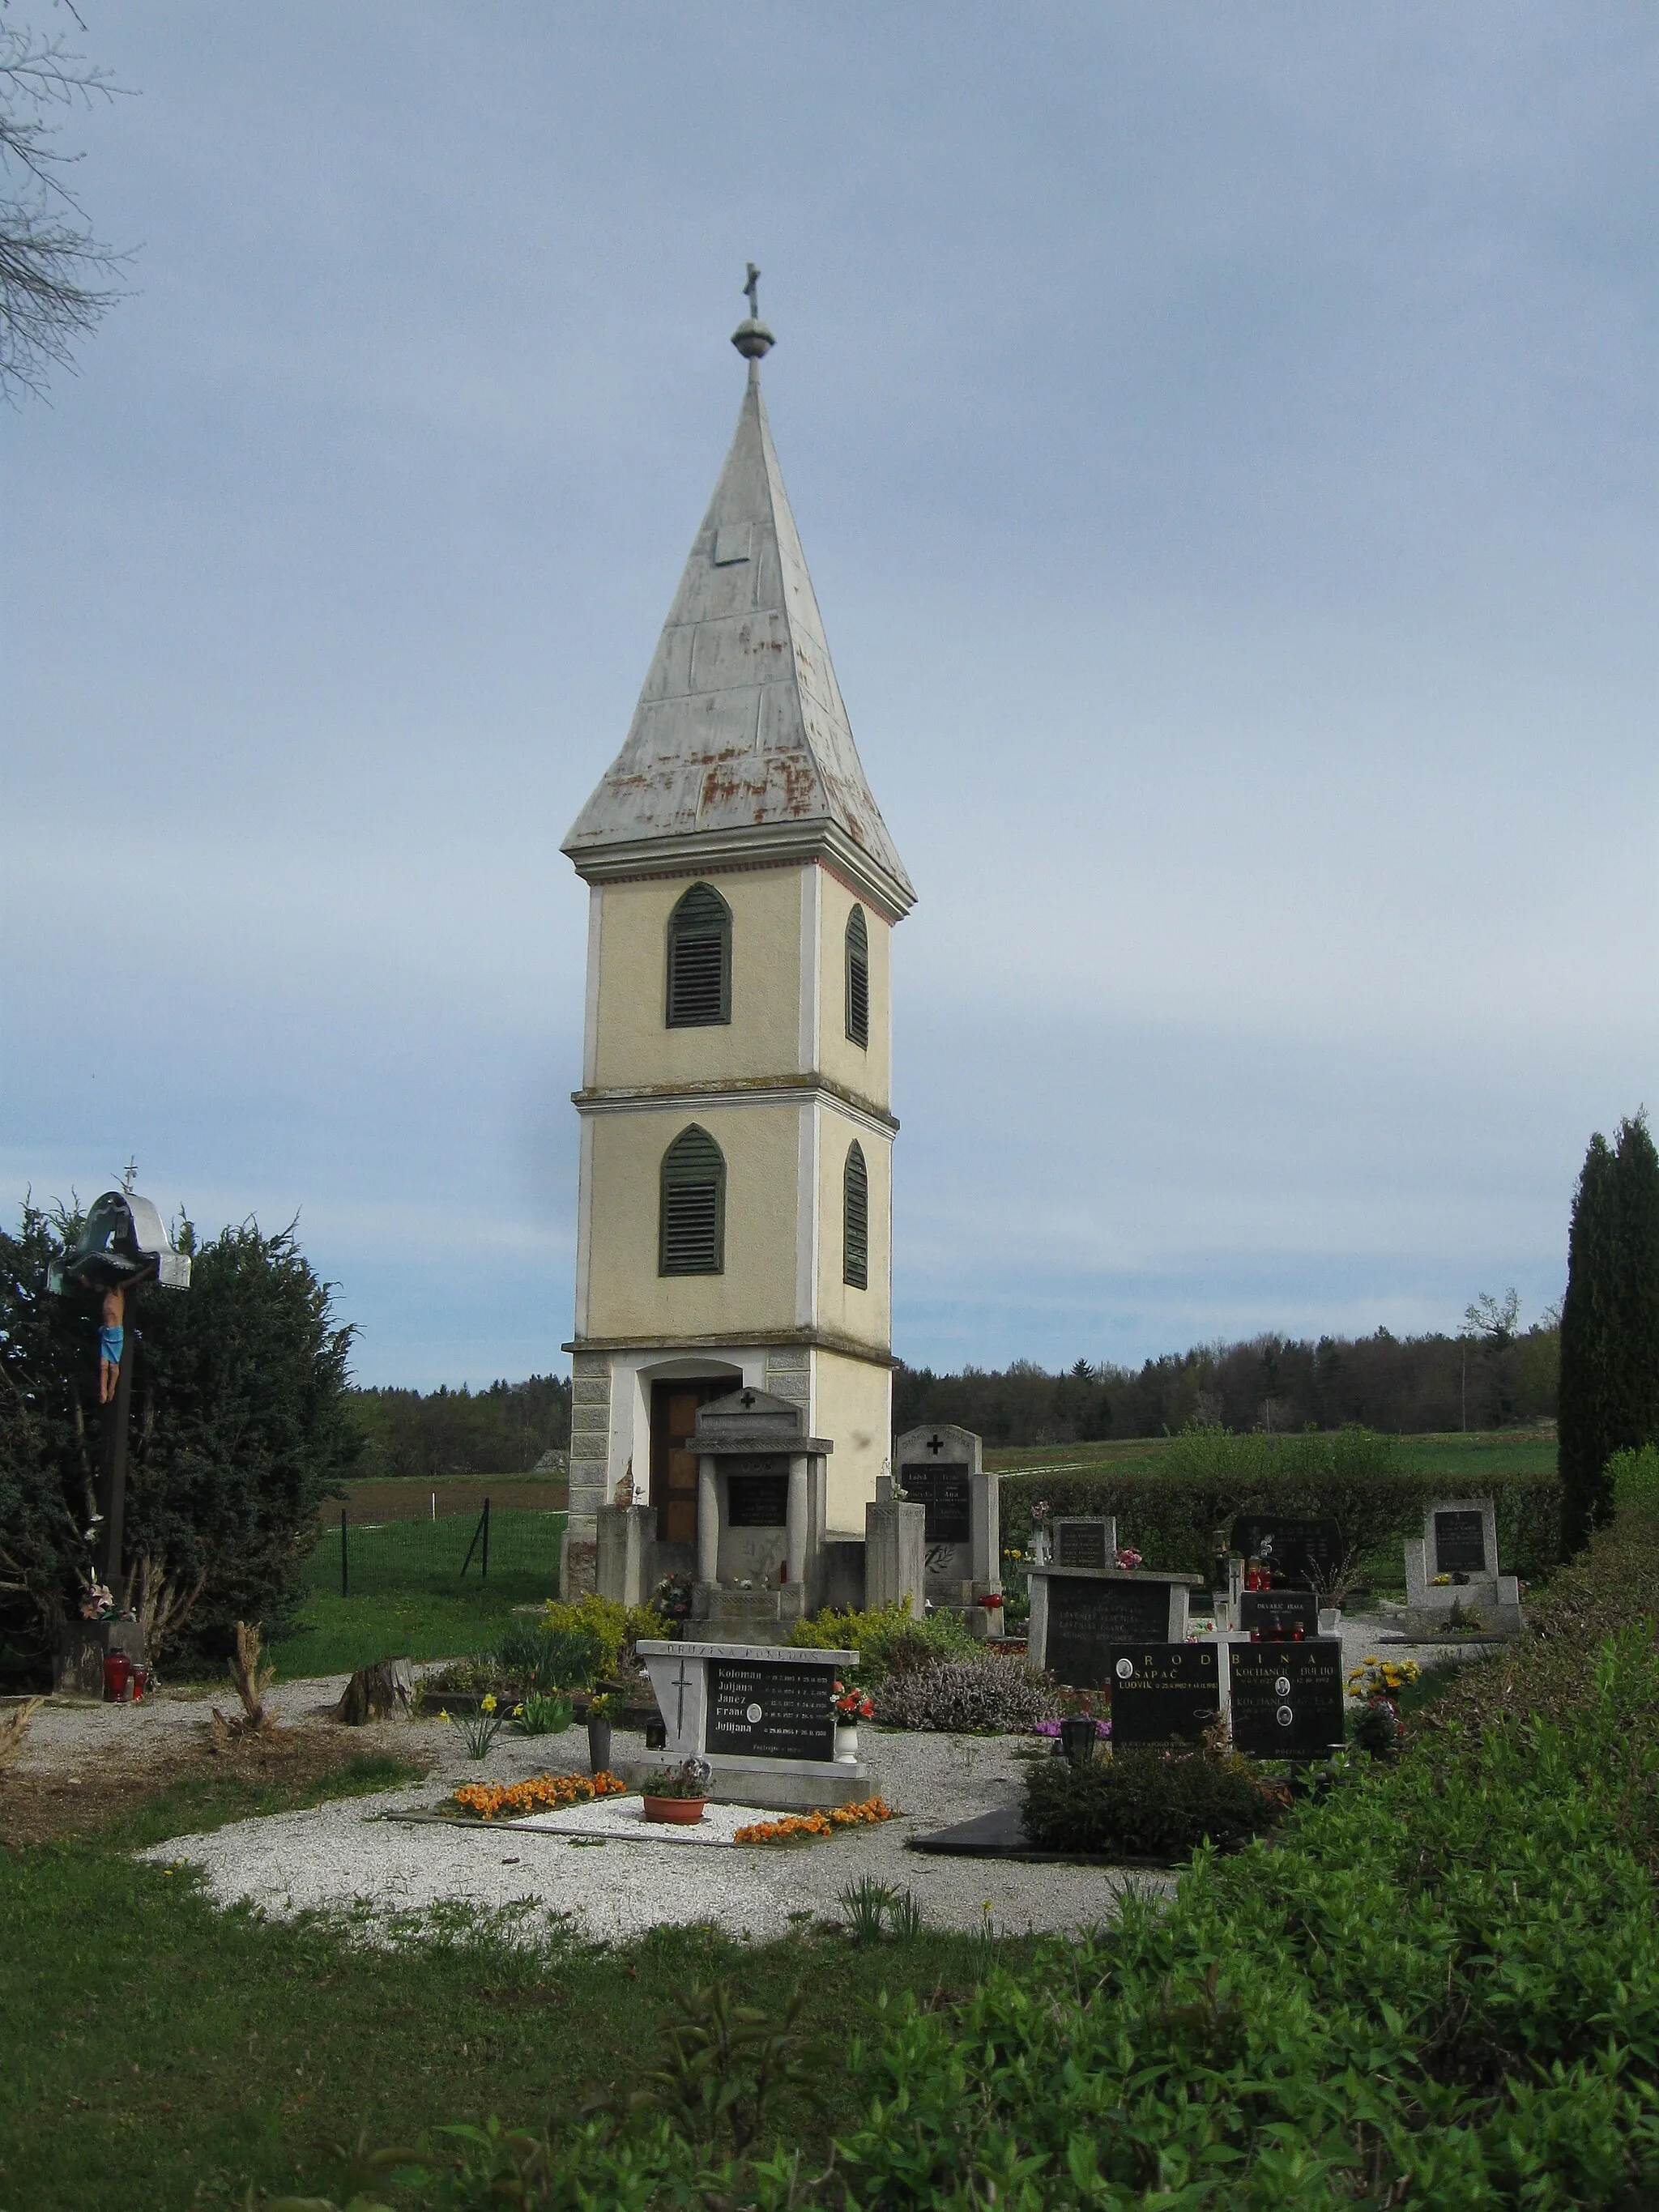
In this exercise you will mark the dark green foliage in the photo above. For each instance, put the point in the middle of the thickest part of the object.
(504, 1429)
(239, 1432)
(1145, 1803)
(531, 1657)
(1178, 1509)
(1610, 1323)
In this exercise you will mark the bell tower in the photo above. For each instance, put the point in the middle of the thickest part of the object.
(734, 1211)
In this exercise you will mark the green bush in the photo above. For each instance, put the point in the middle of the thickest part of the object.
(1633, 1479)
(887, 1639)
(613, 1627)
(532, 1654)
(1145, 1803)
(1179, 1510)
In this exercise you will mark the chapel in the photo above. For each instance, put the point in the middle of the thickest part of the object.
(734, 1206)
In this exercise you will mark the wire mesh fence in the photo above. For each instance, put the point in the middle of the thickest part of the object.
(441, 1556)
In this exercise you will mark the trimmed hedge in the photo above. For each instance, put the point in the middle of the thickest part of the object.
(1178, 1509)
(1148, 1803)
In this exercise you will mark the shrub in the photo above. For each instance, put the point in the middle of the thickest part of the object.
(987, 1695)
(1179, 1510)
(613, 1628)
(1632, 1480)
(887, 1639)
(532, 1655)
(1146, 1803)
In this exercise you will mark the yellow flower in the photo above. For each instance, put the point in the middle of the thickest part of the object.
(488, 1703)
(518, 1712)
(443, 1714)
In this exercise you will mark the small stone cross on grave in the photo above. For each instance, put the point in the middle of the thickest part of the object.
(682, 1682)
(936, 1444)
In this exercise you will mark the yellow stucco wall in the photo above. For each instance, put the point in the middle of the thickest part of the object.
(864, 1314)
(853, 1404)
(626, 1295)
(866, 1070)
(635, 1045)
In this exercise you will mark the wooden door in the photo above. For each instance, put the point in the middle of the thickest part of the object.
(674, 1408)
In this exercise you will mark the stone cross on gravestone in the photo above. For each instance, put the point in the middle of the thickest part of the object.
(682, 1682)
(936, 1444)
(746, 1399)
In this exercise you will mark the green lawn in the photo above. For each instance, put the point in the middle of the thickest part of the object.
(161, 2054)
(1460, 1458)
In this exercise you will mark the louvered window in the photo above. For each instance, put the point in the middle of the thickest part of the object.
(692, 1231)
(855, 1220)
(700, 960)
(858, 977)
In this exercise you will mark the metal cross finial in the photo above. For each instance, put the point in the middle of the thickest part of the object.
(752, 288)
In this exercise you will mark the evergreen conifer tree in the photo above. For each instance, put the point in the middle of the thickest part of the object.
(1609, 1398)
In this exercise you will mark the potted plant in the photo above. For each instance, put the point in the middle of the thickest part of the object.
(677, 1796)
(852, 1706)
(598, 1731)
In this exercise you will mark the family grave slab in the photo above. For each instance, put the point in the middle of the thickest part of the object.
(761, 1715)
(1304, 1554)
(1079, 1613)
(941, 1468)
(1459, 1544)
(1163, 1693)
(1286, 1699)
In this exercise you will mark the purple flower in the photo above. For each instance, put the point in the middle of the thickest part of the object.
(1047, 1728)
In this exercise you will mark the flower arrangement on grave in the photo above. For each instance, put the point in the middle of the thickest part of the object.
(1127, 1557)
(477, 1731)
(672, 1597)
(690, 1780)
(1375, 1683)
(543, 1793)
(801, 1827)
(97, 1603)
(852, 1706)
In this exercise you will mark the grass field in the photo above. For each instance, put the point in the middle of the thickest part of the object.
(1459, 1457)
(160, 2053)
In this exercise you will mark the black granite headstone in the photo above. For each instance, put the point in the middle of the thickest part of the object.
(775, 1709)
(1287, 1700)
(1296, 1551)
(1280, 1613)
(1163, 1693)
(757, 1501)
(1087, 1617)
(943, 1493)
(1081, 1543)
(1459, 1543)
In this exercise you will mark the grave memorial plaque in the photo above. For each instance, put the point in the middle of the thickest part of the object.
(1286, 1698)
(1087, 1619)
(1460, 1546)
(1163, 1693)
(757, 1501)
(1297, 1550)
(771, 1711)
(944, 1495)
(1081, 1543)
(1280, 1613)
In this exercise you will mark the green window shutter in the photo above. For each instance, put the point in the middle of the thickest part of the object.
(855, 1220)
(691, 1220)
(858, 978)
(700, 960)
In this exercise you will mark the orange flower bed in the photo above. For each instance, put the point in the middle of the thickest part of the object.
(794, 1825)
(542, 1793)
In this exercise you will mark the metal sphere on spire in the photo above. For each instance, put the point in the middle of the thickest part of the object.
(752, 337)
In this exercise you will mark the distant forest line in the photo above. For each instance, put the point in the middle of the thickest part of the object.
(1493, 1377)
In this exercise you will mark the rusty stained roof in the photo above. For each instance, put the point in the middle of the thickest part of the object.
(740, 743)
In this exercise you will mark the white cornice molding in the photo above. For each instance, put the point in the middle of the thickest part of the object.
(763, 1091)
(764, 845)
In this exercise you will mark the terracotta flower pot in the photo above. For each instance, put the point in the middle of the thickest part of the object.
(675, 1811)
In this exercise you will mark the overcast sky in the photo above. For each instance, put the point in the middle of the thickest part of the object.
(1224, 440)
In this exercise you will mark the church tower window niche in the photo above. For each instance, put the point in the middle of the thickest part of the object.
(691, 1222)
(858, 978)
(736, 1123)
(700, 960)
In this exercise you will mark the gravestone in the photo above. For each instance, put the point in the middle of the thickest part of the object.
(761, 1715)
(1278, 1613)
(1079, 1613)
(1084, 1543)
(1163, 1693)
(941, 1468)
(1286, 1699)
(1302, 1554)
(1452, 1574)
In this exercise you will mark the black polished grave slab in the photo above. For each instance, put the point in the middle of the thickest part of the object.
(775, 1709)
(1081, 1543)
(1299, 1550)
(1280, 1613)
(1287, 1698)
(757, 1501)
(1001, 1834)
(1163, 1693)
(1459, 1543)
(1086, 1619)
(943, 1492)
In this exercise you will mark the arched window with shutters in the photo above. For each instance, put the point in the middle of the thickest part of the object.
(858, 978)
(691, 1218)
(699, 993)
(855, 1219)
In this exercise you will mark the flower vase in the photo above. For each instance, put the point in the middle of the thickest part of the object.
(847, 1742)
(598, 1744)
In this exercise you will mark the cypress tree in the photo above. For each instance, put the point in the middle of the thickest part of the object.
(1609, 1398)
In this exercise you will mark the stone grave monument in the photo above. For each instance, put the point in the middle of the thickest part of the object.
(1285, 1700)
(1083, 1543)
(1451, 1573)
(941, 1469)
(1273, 1616)
(1078, 1614)
(1164, 1693)
(1299, 1554)
(762, 1717)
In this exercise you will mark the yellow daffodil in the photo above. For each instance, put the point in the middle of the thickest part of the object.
(487, 1704)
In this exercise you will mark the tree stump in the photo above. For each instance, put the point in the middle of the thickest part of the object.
(384, 1692)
